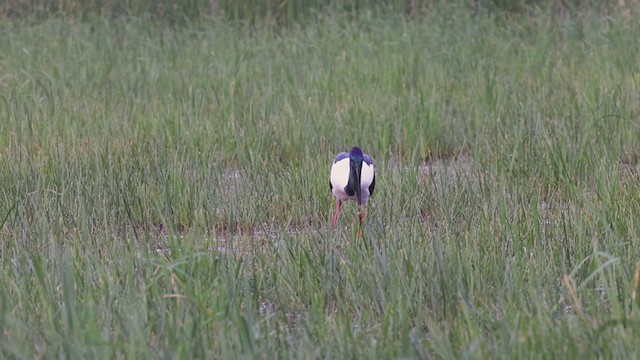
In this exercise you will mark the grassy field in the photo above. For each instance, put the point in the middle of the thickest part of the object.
(164, 192)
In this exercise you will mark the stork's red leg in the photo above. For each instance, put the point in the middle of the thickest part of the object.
(335, 216)
(361, 215)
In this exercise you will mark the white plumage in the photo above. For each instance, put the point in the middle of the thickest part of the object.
(340, 177)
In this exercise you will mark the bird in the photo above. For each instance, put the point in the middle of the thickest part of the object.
(352, 177)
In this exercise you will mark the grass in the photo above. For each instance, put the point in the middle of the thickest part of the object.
(165, 192)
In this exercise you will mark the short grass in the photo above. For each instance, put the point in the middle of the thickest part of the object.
(164, 192)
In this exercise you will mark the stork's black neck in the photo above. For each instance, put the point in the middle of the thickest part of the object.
(355, 173)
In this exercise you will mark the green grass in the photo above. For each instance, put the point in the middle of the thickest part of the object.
(164, 193)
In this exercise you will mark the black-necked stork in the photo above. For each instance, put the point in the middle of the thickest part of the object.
(352, 178)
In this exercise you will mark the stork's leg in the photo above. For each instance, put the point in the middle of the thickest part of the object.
(335, 216)
(361, 215)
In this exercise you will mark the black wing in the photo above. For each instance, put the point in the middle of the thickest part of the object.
(373, 185)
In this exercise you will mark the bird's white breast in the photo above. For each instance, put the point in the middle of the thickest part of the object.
(366, 178)
(339, 178)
